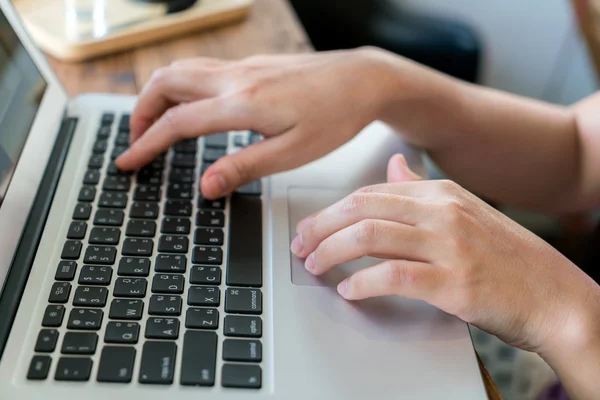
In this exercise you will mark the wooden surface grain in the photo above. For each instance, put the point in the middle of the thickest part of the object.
(271, 27)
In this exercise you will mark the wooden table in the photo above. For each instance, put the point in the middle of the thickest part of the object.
(271, 28)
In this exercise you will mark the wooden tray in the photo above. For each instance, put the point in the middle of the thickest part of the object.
(120, 25)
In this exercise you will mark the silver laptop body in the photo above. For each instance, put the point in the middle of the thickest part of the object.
(239, 317)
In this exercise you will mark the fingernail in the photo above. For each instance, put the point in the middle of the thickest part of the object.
(309, 264)
(216, 183)
(297, 245)
(342, 288)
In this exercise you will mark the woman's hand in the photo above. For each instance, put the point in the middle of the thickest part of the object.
(305, 105)
(445, 246)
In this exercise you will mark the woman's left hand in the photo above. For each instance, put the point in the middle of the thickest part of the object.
(445, 246)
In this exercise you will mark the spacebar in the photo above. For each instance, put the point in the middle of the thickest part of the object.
(245, 241)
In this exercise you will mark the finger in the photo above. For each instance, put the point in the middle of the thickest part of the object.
(353, 209)
(181, 122)
(399, 171)
(196, 62)
(404, 278)
(166, 88)
(273, 155)
(373, 238)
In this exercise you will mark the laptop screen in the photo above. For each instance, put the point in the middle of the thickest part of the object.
(22, 88)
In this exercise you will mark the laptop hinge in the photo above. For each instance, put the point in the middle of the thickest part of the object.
(20, 268)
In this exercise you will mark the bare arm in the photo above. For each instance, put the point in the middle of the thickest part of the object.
(510, 149)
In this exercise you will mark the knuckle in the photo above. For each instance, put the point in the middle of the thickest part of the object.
(396, 276)
(171, 120)
(447, 186)
(455, 210)
(366, 232)
(355, 204)
(366, 189)
(160, 76)
(245, 170)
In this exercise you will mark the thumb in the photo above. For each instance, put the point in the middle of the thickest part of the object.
(398, 170)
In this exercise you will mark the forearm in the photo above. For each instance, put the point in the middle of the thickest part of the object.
(509, 149)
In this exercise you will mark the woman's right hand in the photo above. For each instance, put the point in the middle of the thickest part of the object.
(304, 105)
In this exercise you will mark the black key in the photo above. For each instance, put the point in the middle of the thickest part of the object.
(87, 194)
(109, 218)
(66, 271)
(242, 326)
(255, 137)
(137, 247)
(131, 266)
(147, 193)
(82, 211)
(103, 255)
(207, 255)
(53, 316)
(73, 369)
(96, 161)
(46, 341)
(181, 160)
(186, 146)
(117, 183)
(199, 358)
(141, 228)
(205, 275)
(170, 263)
(244, 267)
(124, 123)
(116, 364)
(241, 376)
(208, 236)
(122, 332)
(113, 170)
(242, 350)
(182, 175)
(103, 132)
(77, 230)
(162, 328)
(179, 226)
(126, 309)
(122, 139)
(149, 176)
(60, 292)
(250, 189)
(202, 318)
(85, 319)
(144, 210)
(91, 177)
(39, 368)
(210, 218)
(178, 208)
(204, 296)
(107, 119)
(206, 204)
(113, 200)
(216, 141)
(212, 155)
(158, 363)
(117, 151)
(94, 275)
(71, 250)
(79, 343)
(243, 301)
(165, 305)
(180, 191)
(168, 283)
(100, 146)
(130, 287)
(105, 236)
(86, 296)
(173, 244)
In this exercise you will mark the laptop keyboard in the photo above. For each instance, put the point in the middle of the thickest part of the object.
(143, 274)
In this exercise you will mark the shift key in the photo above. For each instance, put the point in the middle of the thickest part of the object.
(199, 358)
(158, 363)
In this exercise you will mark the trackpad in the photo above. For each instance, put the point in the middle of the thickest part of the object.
(302, 202)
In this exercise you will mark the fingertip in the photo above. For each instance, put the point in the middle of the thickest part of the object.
(342, 288)
(213, 185)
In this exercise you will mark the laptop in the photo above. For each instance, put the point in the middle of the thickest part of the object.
(118, 285)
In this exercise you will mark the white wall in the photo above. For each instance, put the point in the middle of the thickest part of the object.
(531, 47)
